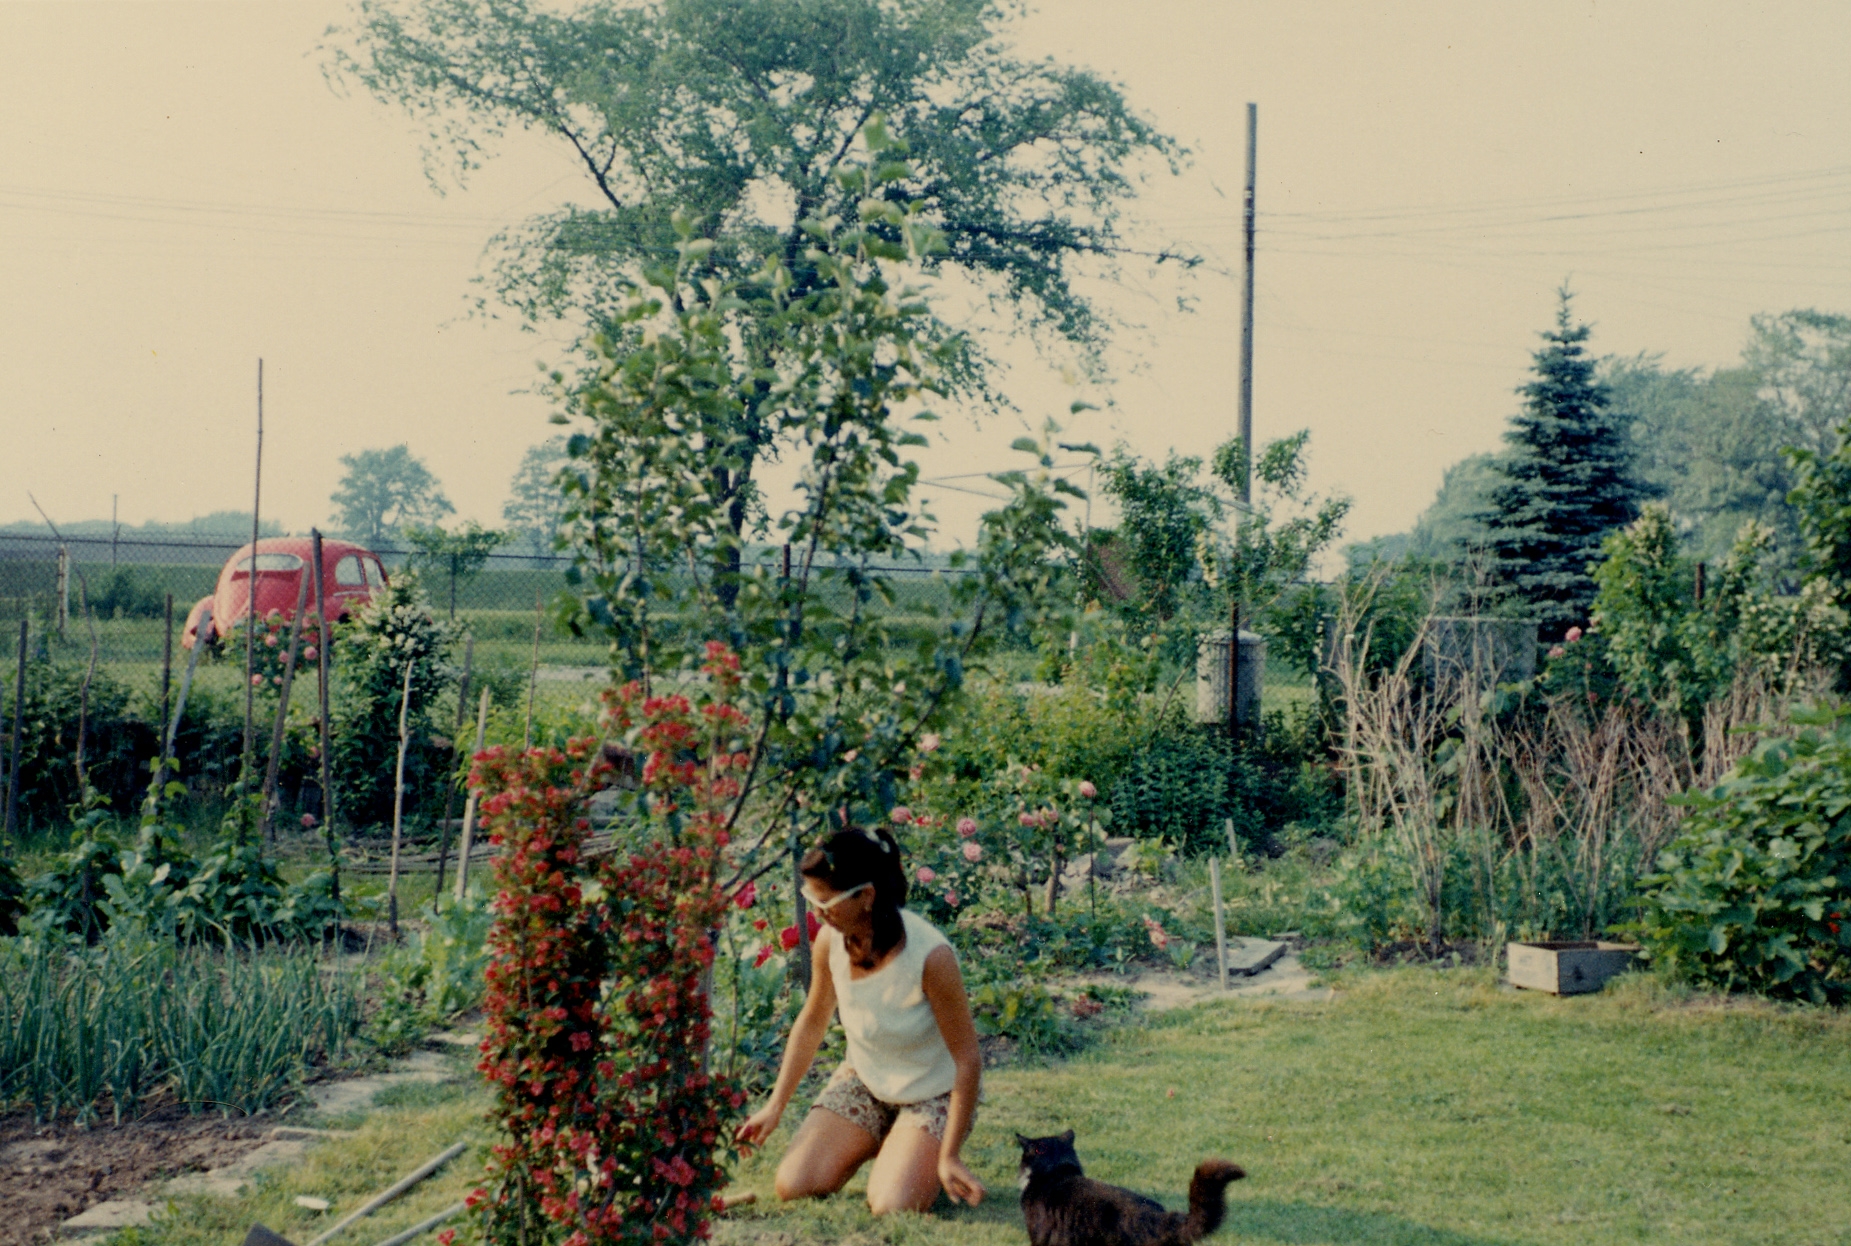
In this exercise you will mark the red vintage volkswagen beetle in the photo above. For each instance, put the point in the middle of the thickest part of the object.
(350, 575)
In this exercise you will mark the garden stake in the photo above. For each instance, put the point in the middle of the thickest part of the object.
(398, 799)
(533, 673)
(186, 686)
(167, 658)
(1221, 926)
(424, 1226)
(12, 770)
(469, 807)
(260, 1236)
(449, 789)
(282, 707)
(322, 658)
(250, 613)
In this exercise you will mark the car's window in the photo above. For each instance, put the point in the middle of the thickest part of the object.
(374, 576)
(270, 562)
(347, 573)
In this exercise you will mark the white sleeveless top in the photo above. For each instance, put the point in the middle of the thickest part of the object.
(894, 1044)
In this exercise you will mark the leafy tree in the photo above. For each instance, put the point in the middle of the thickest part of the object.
(383, 493)
(457, 555)
(1567, 480)
(535, 501)
(1802, 360)
(738, 117)
(1164, 510)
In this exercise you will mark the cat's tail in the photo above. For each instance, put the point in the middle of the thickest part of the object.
(1208, 1203)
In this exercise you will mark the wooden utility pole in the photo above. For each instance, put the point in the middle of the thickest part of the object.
(1246, 429)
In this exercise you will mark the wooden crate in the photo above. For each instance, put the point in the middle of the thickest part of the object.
(1568, 968)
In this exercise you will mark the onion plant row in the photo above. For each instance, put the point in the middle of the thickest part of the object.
(231, 1029)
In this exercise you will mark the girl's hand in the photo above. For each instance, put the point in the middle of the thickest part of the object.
(961, 1184)
(758, 1126)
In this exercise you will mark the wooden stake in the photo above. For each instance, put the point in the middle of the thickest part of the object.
(12, 770)
(186, 686)
(323, 658)
(250, 584)
(398, 795)
(167, 658)
(469, 807)
(1221, 927)
(533, 673)
(282, 711)
(456, 741)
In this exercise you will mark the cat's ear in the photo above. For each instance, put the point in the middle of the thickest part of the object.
(1021, 1141)
(1067, 1137)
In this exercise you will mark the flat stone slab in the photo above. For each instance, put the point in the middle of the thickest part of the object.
(107, 1217)
(355, 1094)
(227, 1181)
(1248, 957)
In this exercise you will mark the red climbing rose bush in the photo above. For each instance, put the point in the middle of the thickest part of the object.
(597, 1009)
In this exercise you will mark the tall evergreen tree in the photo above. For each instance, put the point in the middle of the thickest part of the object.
(1565, 481)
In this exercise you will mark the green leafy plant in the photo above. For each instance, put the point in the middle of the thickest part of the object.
(1755, 894)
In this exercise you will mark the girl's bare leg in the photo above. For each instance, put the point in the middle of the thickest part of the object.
(823, 1156)
(905, 1173)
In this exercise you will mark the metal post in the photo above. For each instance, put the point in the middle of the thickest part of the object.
(167, 658)
(63, 602)
(1246, 318)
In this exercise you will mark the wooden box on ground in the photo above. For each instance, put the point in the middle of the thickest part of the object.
(1568, 968)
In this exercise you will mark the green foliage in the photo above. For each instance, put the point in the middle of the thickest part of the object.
(137, 1017)
(1802, 362)
(12, 898)
(536, 504)
(742, 117)
(1567, 481)
(1164, 511)
(113, 738)
(394, 630)
(127, 593)
(454, 557)
(1755, 894)
(383, 492)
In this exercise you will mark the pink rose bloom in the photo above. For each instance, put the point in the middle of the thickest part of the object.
(967, 827)
(951, 898)
(928, 743)
(1558, 652)
(973, 852)
(270, 640)
(851, 755)
(1028, 819)
(308, 821)
(1087, 789)
(925, 874)
(257, 681)
(1574, 634)
(311, 653)
(901, 815)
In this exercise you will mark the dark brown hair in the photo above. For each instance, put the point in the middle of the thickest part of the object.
(856, 856)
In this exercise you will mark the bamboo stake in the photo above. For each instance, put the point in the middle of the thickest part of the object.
(250, 584)
(469, 807)
(186, 686)
(1221, 926)
(282, 711)
(379, 1200)
(323, 658)
(398, 796)
(167, 658)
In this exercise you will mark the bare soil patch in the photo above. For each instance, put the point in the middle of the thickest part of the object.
(49, 1173)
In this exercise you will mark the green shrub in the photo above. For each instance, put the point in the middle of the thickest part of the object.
(1755, 894)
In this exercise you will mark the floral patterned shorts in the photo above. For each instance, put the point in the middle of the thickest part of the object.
(849, 1098)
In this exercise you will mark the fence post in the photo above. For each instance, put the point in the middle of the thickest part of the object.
(456, 744)
(167, 657)
(322, 659)
(398, 795)
(1221, 926)
(12, 770)
(469, 808)
(63, 590)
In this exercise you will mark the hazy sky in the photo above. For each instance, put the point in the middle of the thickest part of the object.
(181, 192)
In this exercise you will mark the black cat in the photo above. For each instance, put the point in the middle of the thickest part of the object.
(1064, 1207)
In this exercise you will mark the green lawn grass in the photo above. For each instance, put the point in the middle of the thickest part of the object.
(1419, 1106)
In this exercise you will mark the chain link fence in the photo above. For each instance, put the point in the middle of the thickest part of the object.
(117, 592)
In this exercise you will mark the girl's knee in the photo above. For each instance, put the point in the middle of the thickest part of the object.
(794, 1181)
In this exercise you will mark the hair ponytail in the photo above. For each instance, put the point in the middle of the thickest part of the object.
(855, 856)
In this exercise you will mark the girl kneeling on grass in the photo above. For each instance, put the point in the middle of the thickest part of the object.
(907, 1092)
